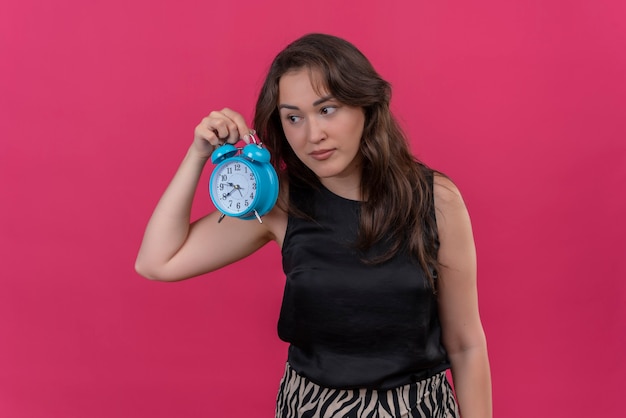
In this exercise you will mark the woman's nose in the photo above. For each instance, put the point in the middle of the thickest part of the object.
(317, 131)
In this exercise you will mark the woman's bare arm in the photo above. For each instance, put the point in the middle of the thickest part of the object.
(463, 334)
(173, 248)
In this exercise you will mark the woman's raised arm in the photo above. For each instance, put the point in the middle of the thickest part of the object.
(173, 248)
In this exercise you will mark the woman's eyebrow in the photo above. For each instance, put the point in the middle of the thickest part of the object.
(322, 100)
(287, 106)
(315, 103)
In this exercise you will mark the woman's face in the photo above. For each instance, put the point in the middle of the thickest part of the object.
(323, 133)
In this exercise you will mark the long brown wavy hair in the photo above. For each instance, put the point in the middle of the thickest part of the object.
(398, 203)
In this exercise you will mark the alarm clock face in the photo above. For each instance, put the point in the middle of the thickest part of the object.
(234, 187)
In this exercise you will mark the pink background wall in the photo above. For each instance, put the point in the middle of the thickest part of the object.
(521, 102)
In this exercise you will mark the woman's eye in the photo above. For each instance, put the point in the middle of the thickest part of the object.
(327, 110)
(293, 118)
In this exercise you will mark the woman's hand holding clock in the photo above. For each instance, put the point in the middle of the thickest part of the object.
(218, 128)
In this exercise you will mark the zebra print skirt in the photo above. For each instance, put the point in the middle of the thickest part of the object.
(300, 398)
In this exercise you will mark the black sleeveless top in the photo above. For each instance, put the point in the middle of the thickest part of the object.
(350, 324)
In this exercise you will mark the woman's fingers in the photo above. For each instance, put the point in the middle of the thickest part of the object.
(224, 126)
(239, 124)
(218, 128)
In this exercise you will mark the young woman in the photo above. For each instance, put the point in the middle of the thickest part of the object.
(380, 298)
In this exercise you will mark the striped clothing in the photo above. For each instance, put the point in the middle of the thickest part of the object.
(300, 398)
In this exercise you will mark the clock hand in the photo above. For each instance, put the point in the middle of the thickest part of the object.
(229, 193)
(235, 187)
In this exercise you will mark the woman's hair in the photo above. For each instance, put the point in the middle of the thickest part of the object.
(398, 202)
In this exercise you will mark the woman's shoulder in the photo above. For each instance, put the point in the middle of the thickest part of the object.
(446, 193)
(450, 210)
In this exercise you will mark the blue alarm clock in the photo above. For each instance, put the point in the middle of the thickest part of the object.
(243, 184)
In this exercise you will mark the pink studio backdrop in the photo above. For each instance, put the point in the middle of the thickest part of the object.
(521, 102)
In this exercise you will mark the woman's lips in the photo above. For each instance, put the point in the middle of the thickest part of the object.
(322, 154)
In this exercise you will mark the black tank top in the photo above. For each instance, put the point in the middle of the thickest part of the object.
(350, 324)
